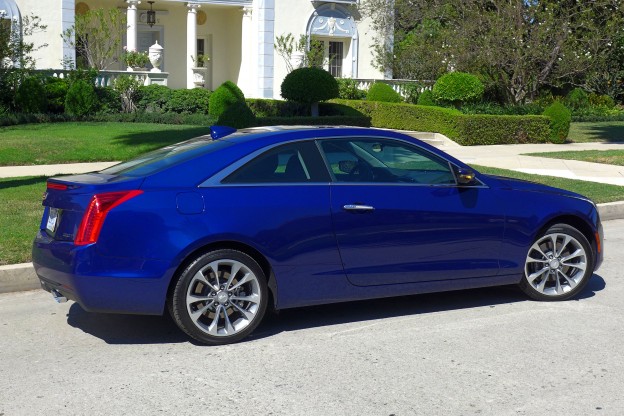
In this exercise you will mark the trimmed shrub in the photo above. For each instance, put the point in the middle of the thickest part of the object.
(380, 91)
(464, 129)
(407, 116)
(109, 100)
(560, 118)
(196, 100)
(276, 108)
(309, 86)
(237, 115)
(360, 121)
(426, 98)
(30, 96)
(81, 99)
(154, 98)
(458, 88)
(577, 99)
(55, 92)
(605, 101)
(128, 89)
(497, 109)
(348, 89)
(481, 129)
(226, 95)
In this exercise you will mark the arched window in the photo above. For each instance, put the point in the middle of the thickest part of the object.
(10, 33)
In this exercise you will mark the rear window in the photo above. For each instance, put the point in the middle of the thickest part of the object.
(157, 160)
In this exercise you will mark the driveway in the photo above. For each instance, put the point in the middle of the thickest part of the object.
(486, 352)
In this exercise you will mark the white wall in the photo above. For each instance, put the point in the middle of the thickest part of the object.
(52, 16)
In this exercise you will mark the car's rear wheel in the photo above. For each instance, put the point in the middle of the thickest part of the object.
(220, 297)
(558, 265)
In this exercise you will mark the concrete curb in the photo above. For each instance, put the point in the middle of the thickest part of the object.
(22, 277)
(18, 278)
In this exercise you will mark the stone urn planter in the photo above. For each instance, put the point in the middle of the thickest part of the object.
(156, 56)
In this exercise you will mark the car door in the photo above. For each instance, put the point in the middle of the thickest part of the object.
(400, 217)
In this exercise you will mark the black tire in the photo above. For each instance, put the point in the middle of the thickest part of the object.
(559, 273)
(207, 289)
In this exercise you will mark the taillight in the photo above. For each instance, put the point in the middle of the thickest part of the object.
(57, 186)
(96, 212)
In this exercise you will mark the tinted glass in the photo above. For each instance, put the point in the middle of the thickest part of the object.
(383, 160)
(290, 163)
(167, 156)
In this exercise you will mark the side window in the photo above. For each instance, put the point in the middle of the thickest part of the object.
(385, 161)
(290, 163)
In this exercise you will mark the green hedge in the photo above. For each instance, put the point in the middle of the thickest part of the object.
(481, 129)
(465, 129)
(407, 116)
(318, 121)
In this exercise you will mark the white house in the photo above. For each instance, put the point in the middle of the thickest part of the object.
(238, 36)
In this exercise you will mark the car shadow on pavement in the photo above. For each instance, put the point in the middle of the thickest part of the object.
(140, 329)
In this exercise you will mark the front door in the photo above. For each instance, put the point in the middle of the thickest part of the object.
(400, 217)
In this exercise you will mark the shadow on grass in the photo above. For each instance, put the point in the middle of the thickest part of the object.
(160, 138)
(6, 183)
(607, 133)
(136, 329)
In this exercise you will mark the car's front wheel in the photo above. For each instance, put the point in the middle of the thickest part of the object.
(220, 297)
(558, 265)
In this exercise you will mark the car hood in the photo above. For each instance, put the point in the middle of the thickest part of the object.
(523, 185)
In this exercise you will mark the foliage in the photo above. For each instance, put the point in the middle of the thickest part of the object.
(128, 89)
(309, 86)
(464, 129)
(597, 100)
(30, 96)
(360, 121)
(81, 99)
(348, 89)
(225, 95)
(426, 98)
(517, 47)
(457, 88)
(237, 115)
(276, 108)
(55, 93)
(560, 118)
(96, 35)
(481, 129)
(154, 98)
(134, 58)
(577, 99)
(497, 109)
(411, 92)
(109, 100)
(310, 50)
(193, 101)
(200, 60)
(16, 60)
(380, 91)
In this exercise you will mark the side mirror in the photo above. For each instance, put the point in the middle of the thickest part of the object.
(465, 176)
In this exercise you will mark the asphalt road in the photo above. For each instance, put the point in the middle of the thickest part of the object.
(477, 352)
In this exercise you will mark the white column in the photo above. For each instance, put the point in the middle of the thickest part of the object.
(247, 74)
(265, 12)
(131, 17)
(68, 16)
(191, 41)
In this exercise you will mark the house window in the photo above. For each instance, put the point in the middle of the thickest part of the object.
(201, 46)
(336, 50)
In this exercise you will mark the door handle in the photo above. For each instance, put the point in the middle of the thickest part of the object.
(358, 208)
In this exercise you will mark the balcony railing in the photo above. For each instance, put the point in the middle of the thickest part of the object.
(399, 85)
(107, 78)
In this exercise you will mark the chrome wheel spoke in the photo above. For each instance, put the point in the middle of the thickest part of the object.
(534, 260)
(566, 240)
(235, 269)
(570, 281)
(254, 298)
(577, 253)
(195, 315)
(537, 274)
(213, 329)
(229, 329)
(241, 282)
(247, 314)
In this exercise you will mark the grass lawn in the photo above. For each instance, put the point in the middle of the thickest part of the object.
(597, 192)
(609, 157)
(601, 131)
(21, 210)
(40, 144)
(20, 215)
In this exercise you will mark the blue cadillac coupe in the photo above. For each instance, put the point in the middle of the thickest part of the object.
(217, 228)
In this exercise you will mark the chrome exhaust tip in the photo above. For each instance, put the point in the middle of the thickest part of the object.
(58, 297)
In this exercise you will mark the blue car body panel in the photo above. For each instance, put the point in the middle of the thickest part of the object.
(418, 239)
